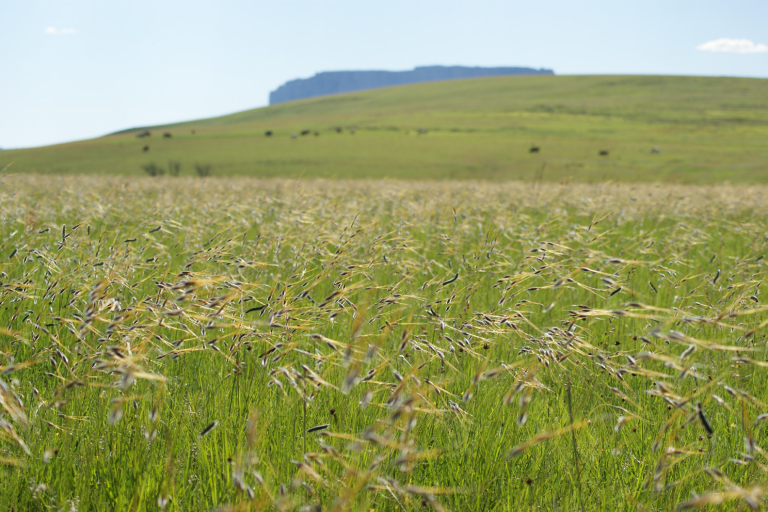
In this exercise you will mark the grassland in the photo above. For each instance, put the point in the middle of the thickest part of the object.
(240, 344)
(708, 130)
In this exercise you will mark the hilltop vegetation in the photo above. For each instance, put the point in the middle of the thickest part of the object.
(707, 130)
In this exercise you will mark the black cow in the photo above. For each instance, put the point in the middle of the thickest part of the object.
(305, 132)
(534, 149)
(167, 135)
(603, 152)
(268, 133)
(146, 148)
(337, 128)
(145, 133)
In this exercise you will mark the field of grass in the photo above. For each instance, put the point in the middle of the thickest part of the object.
(238, 344)
(708, 130)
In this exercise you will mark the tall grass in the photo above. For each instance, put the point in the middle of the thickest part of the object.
(180, 344)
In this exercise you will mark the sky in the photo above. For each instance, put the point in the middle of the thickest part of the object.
(76, 69)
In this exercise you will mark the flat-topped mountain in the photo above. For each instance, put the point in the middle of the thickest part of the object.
(334, 82)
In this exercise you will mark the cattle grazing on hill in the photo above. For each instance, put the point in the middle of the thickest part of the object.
(145, 133)
(268, 133)
(655, 150)
(534, 149)
(145, 148)
(305, 132)
(603, 152)
(293, 135)
(337, 128)
(423, 131)
(167, 135)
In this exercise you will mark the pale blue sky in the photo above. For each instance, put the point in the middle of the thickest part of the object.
(78, 69)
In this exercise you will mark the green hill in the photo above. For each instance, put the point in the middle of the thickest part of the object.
(707, 130)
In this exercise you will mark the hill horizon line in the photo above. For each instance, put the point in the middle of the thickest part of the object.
(195, 120)
(251, 109)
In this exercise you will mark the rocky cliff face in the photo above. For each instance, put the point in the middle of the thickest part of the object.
(334, 82)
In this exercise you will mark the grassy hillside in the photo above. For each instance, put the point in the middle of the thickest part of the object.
(707, 130)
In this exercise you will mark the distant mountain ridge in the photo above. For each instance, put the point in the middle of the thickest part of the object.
(335, 82)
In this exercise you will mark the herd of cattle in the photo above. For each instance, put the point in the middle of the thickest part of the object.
(352, 129)
(602, 152)
(147, 133)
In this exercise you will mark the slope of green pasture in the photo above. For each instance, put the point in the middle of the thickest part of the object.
(707, 129)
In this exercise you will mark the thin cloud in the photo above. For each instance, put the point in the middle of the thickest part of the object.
(53, 31)
(726, 45)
